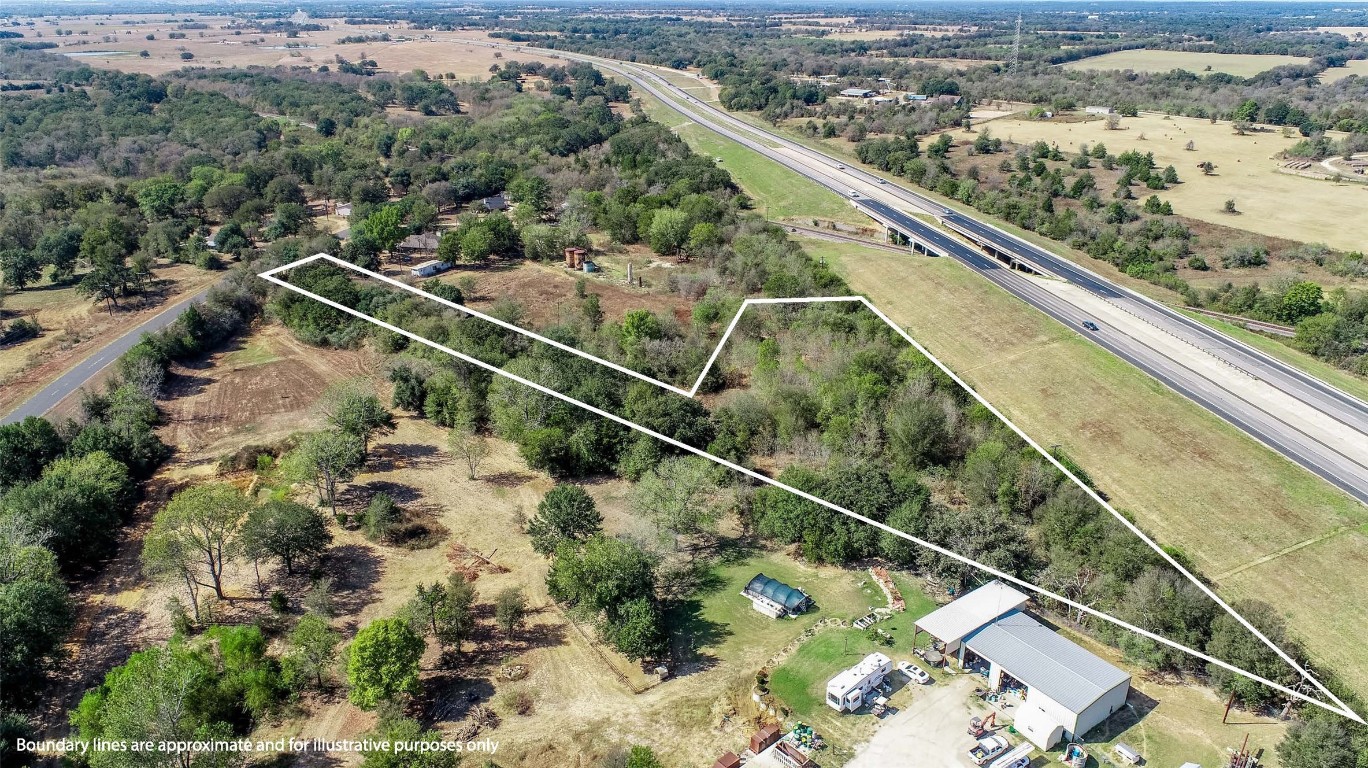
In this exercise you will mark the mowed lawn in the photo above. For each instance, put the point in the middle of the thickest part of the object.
(1191, 480)
(779, 192)
(1270, 203)
(1238, 64)
(799, 683)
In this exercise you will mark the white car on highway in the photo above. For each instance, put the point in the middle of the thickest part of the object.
(914, 672)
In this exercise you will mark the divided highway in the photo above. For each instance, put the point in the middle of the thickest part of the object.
(1301, 417)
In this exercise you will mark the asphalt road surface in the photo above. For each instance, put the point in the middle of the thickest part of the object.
(1301, 417)
(48, 397)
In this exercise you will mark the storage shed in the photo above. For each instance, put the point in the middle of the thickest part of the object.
(429, 268)
(775, 598)
(728, 760)
(764, 738)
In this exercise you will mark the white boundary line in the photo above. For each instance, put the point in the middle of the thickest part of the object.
(1340, 707)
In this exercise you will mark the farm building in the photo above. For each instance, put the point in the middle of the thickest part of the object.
(847, 691)
(1097, 110)
(858, 93)
(429, 268)
(423, 244)
(1066, 690)
(775, 598)
(494, 202)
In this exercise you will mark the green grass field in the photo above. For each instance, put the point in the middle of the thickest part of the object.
(778, 192)
(799, 683)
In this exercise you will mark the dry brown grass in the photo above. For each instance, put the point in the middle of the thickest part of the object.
(434, 52)
(1271, 203)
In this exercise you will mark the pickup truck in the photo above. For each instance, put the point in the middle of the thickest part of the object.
(988, 748)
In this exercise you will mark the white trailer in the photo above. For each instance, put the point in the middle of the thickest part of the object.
(847, 691)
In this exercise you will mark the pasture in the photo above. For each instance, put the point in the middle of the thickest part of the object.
(1144, 60)
(116, 42)
(1270, 203)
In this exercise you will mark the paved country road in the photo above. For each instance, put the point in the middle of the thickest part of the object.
(48, 397)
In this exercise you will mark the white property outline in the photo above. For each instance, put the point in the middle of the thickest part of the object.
(1340, 707)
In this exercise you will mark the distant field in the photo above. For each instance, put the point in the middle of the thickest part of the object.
(219, 47)
(1356, 67)
(1238, 64)
(1271, 203)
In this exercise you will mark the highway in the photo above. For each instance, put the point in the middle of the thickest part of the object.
(1313, 424)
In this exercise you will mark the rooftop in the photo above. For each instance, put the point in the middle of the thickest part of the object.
(852, 677)
(1045, 660)
(952, 622)
(777, 591)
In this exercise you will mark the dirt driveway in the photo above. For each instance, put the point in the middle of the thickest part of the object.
(932, 727)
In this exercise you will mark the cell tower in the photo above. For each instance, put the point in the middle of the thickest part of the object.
(1016, 48)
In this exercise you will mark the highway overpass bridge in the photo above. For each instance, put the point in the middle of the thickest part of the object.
(921, 237)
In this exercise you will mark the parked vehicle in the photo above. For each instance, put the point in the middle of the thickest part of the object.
(988, 748)
(914, 672)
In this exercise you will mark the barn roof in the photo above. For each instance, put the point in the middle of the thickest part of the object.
(952, 622)
(1046, 661)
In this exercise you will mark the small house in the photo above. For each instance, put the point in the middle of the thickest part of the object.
(945, 100)
(858, 93)
(422, 245)
(847, 691)
(344, 210)
(775, 598)
(495, 202)
(883, 100)
(1097, 110)
(430, 268)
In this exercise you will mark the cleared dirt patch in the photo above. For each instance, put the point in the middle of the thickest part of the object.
(257, 390)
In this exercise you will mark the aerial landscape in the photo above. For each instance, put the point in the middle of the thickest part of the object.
(650, 385)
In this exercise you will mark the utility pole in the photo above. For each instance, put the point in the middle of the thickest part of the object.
(1015, 66)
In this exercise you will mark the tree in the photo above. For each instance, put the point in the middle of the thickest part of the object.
(382, 662)
(286, 530)
(20, 267)
(28, 446)
(353, 409)
(1232, 643)
(680, 496)
(470, 445)
(312, 649)
(510, 609)
(602, 574)
(35, 612)
(668, 231)
(1301, 300)
(635, 629)
(640, 325)
(331, 458)
(158, 199)
(566, 513)
(386, 226)
(160, 695)
(78, 504)
(445, 610)
(1319, 742)
(380, 516)
(197, 533)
